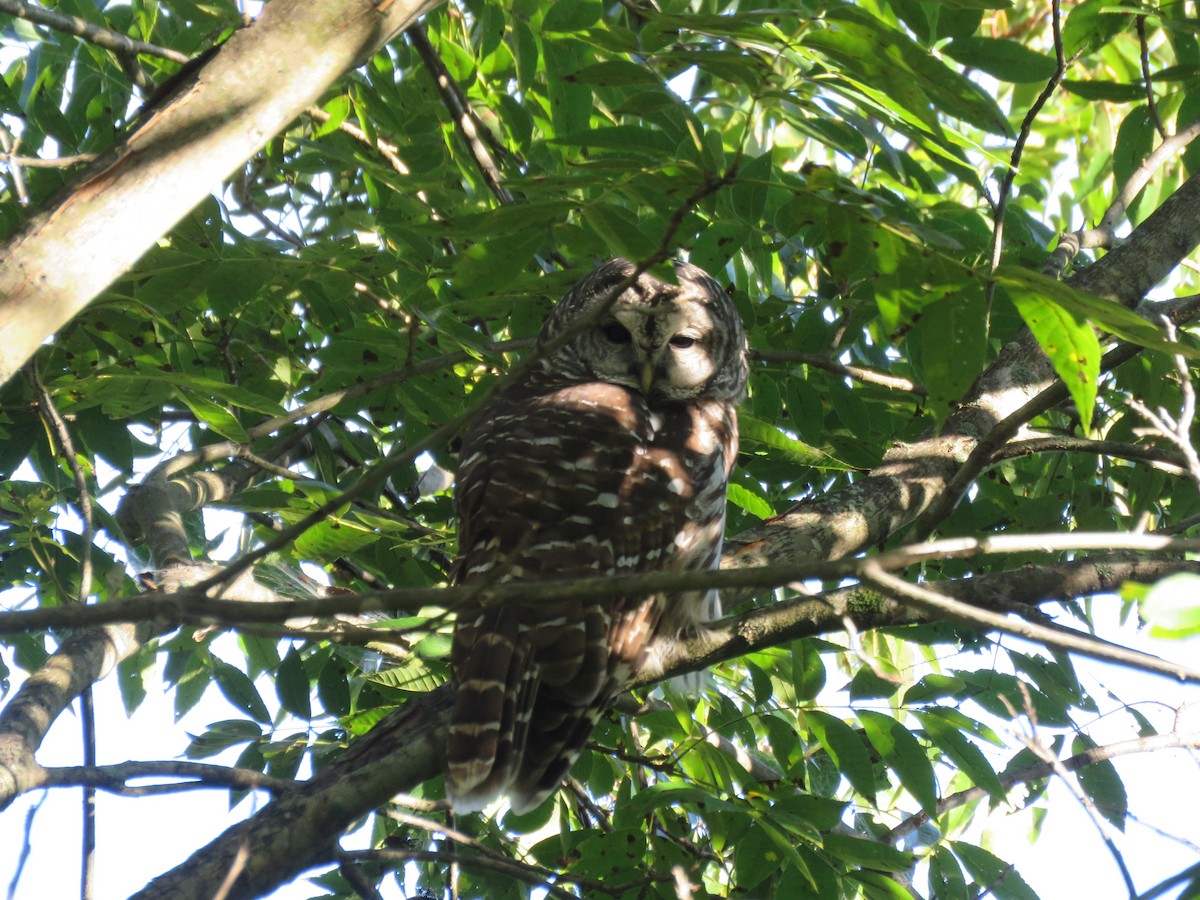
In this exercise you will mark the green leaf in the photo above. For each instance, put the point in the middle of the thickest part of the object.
(896, 64)
(755, 431)
(615, 72)
(1000, 879)
(748, 195)
(1071, 345)
(239, 690)
(757, 856)
(620, 230)
(333, 689)
(1090, 25)
(1135, 139)
(292, 685)
(215, 416)
(1102, 784)
(808, 669)
(221, 736)
(961, 751)
(949, 347)
(665, 794)
(904, 755)
(334, 538)
(570, 16)
(1004, 58)
(750, 502)
(1107, 315)
(413, 674)
(871, 854)
(946, 880)
(931, 687)
(846, 749)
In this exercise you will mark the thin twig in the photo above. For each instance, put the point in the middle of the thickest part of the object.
(81, 28)
(87, 721)
(1038, 748)
(1103, 234)
(1177, 431)
(9, 144)
(1040, 770)
(1056, 637)
(827, 363)
(465, 120)
(1151, 103)
(1066, 443)
(1014, 164)
(115, 778)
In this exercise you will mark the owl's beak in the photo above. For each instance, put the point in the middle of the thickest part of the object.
(647, 377)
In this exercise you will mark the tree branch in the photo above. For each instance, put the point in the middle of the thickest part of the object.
(1044, 770)
(216, 119)
(81, 28)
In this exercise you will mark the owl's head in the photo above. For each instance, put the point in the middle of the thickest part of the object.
(673, 342)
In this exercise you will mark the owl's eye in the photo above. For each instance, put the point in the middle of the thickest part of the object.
(616, 333)
(681, 341)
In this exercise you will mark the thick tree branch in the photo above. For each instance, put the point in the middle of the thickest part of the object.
(915, 477)
(214, 122)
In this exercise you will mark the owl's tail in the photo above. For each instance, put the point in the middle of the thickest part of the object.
(529, 696)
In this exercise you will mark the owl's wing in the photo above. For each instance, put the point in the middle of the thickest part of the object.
(579, 482)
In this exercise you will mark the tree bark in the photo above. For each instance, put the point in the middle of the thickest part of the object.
(215, 120)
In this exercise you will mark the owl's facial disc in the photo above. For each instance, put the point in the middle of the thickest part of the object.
(661, 349)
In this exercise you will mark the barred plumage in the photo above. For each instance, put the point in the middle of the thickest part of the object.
(609, 457)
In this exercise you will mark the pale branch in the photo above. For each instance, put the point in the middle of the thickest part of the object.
(1041, 770)
(1177, 429)
(192, 593)
(81, 659)
(940, 605)
(1103, 235)
(1033, 742)
(116, 778)
(217, 118)
(37, 162)
(93, 34)
(829, 364)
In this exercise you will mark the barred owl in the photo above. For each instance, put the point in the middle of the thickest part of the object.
(611, 456)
